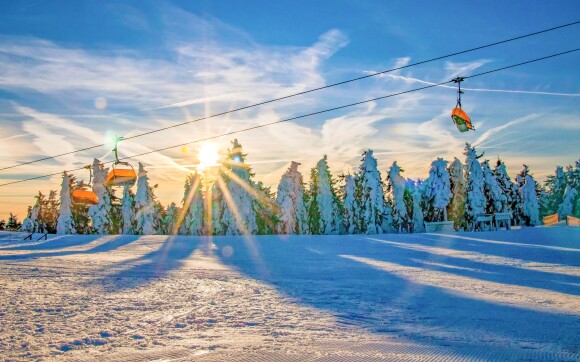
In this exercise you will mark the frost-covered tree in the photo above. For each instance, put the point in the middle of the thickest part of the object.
(351, 205)
(101, 213)
(566, 208)
(508, 188)
(456, 209)
(33, 223)
(128, 211)
(496, 199)
(530, 204)
(438, 191)
(373, 215)
(290, 200)
(192, 207)
(65, 223)
(396, 192)
(475, 201)
(237, 215)
(418, 218)
(324, 207)
(265, 207)
(168, 224)
(556, 186)
(144, 205)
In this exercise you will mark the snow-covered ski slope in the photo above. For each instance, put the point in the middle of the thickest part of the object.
(507, 295)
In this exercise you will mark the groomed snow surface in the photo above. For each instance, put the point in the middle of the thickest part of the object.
(505, 295)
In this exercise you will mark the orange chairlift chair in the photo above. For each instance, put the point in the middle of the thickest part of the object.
(458, 115)
(83, 194)
(121, 176)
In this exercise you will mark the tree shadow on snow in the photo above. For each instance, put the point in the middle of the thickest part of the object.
(155, 265)
(312, 270)
(115, 242)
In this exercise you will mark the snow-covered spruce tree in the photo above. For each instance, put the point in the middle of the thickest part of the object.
(128, 211)
(530, 204)
(266, 209)
(170, 219)
(508, 188)
(475, 201)
(556, 186)
(50, 215)
(573, 177)
(290, 199)
(418, 217)
(456, 209)
(144, 205)
(396, 193)
(325, 208)
(101, 212)
(566, 208)
(496, 199)
(236, 207)
(65, 223)
(192, 206)
(438, 191)
(373, 216)
(34, 222)
(351, 205)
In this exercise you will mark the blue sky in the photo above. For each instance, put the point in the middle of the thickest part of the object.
(74, 73)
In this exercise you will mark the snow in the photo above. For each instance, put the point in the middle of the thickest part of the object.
(504, 295)
(530, 205)
(370, 206)
(144, 204)
(101, 212)
(438, 188)
(324, 203)
(567, 206)
(290, 201)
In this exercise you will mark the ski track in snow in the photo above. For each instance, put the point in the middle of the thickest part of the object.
(507, 295)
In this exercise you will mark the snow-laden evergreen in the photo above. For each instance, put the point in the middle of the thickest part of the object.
(351, 206)
(456, 209)
(475, 201)
(396, 191)
(438, 190)
(508, 188)
(530, 204)
(237, 214)
(31, 223)
(324, 205)
(372, 210)
(418, 217)
(566, 208)
(144, 205)
(556, 185)
(496, 199)
(290, 200)
(169, 221)
(101, 213)
(192, 221)
(65, 223)
(128, 211)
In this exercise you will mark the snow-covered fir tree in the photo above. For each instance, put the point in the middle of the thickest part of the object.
(418, 217)
(324, 208)
(496, 199)
(530, 204)
(556, 186)
(267, 212)
(566, 207)
(237, 215)
(373, 217)
(128, 211)
(101, 213)
(290, 200)
(65, 223)
(508, 188)
(351, 205)
(475, 201)
(169, 220)
(192, 206)
(396, 191)
(33, 223)
(438, 191)
(144, 205)
(456, 209)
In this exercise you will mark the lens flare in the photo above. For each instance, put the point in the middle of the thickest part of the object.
(208, 156)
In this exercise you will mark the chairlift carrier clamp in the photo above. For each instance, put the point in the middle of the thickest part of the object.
(458, 115)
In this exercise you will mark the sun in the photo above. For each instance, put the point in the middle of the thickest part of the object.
(207, 156)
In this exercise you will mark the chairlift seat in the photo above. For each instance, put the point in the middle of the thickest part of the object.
(84, 197)
(461, 120)
(121, 177)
